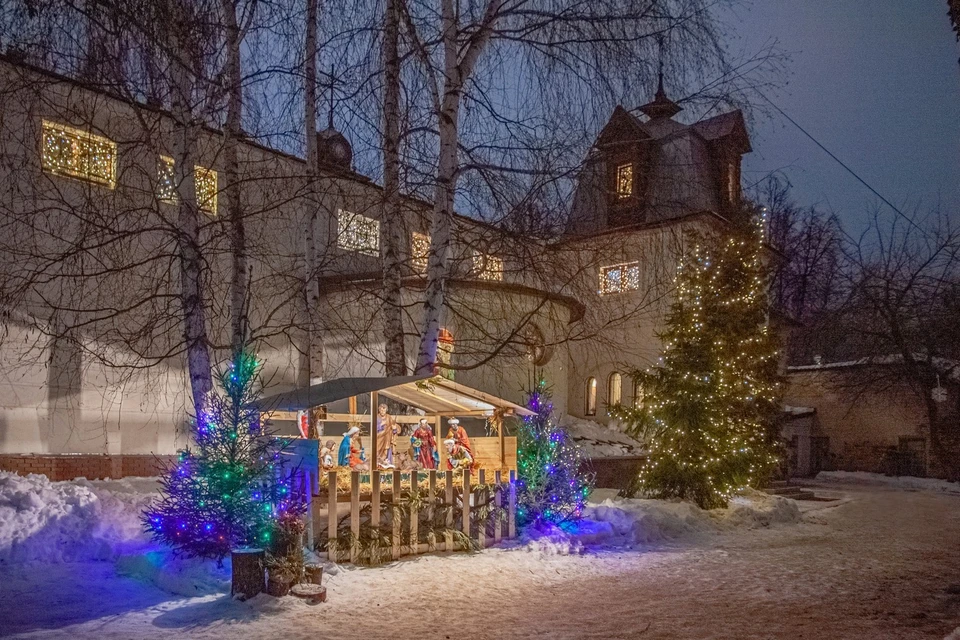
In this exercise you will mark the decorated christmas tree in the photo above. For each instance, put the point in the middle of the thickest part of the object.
(551, 485)
(229, 490)
(711, 404)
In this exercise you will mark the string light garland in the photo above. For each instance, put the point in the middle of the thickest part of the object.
(618, 278)
(711, 403)
(231, 490)
(358, 233)
(205, 182)
(551, 485)
(79, 154)
(487, 267)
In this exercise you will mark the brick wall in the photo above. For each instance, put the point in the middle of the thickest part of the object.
(92, 467)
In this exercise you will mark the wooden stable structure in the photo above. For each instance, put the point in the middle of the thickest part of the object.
(480, 504)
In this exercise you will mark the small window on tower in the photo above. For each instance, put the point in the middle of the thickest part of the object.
(624, 181)
(420, 251)
(618, 278)
(733, 184)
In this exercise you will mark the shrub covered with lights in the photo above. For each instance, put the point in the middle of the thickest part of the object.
(551, 485)
(229, 490)
(711, 404)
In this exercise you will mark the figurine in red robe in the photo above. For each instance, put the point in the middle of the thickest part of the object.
(459, 434)
(425, 445)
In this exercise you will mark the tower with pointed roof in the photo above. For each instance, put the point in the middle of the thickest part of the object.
(647, 167)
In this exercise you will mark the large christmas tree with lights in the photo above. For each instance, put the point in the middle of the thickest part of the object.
(552, 487)
(711, 404)
(229, 490)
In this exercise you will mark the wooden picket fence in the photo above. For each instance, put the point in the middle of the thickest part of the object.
(428, 511)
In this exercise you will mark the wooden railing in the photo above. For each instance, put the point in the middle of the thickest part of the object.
(392, 513)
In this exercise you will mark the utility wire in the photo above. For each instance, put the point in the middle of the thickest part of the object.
(841, 163)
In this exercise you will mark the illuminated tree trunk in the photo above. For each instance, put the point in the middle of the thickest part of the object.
(231, 169)
(188, 232)
(311, 293)
(394, 352)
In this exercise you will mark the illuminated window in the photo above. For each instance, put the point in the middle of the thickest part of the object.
(358, 233)
(420, 251)
(591, 400)
(205, 181)
(487, 267)
(637, 395)
(445, 354)
(624, 181)
(71, 152)
(619, 277)
(614, 388)
(206, 185)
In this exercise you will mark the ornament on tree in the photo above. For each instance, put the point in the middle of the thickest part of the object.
(551, 485)
(230, 488)
(710, 406)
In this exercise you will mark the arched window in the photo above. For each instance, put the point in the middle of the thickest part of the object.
(637, 394)
(591, 403)
(614, 388)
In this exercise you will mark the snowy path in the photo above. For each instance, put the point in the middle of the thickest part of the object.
(875, 567)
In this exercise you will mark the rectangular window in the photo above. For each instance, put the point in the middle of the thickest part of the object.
(420, 251)
(358, 233)
(487, 267)
(618, 278)
(624, 181)
(71, 152)
(205, 183)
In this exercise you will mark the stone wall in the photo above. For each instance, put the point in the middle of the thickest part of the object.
(91, 467)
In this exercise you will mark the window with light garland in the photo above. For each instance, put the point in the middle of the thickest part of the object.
(487, 267)
(619, 278)
(420, 251)
(205, 181)
(79, 154)
(358, 233)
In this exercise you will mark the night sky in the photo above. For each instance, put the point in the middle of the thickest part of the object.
(878, 83)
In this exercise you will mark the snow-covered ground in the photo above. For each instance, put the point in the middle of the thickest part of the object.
(901, 482)
(880, 562)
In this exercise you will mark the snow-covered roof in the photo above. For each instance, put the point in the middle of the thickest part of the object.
(944, 366)
(797, 412)
(599, 441)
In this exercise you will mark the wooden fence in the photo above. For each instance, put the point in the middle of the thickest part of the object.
(390, 514)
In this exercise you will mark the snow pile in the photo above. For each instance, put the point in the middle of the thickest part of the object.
(900, 482)
(634, 522)
(954, 635)
(69, 521)
(177, 575)
(599, 441)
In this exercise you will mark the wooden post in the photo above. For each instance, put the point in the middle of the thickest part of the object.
(432, 503)
(448, 498)
(248, 572)
(308, 493)
(438, 437)
(414, 513)
(481, 524)
(512, 515)
(331, 514)
(375, 498)
(375, 461)
(502, 446)
(465, 524)
(497, 505)
(397, 492)
(354, 512)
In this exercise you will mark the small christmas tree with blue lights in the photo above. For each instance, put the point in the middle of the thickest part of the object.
(229, 490)
(551, 485)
